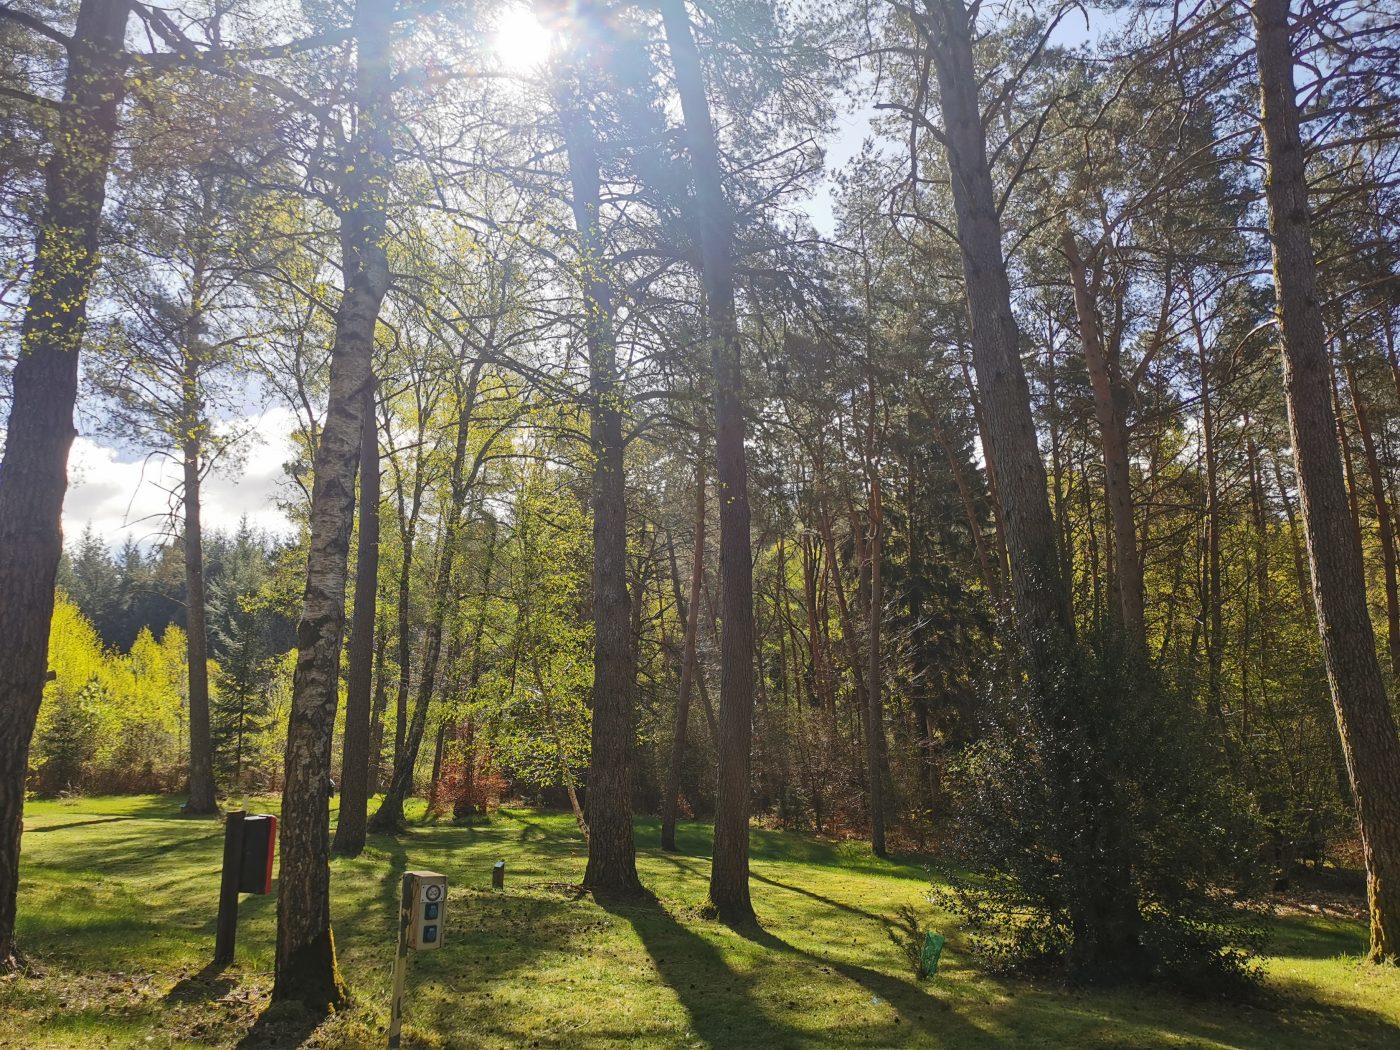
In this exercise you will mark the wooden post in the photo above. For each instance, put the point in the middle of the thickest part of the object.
(498, 875)
(226, 928)
(400, 960)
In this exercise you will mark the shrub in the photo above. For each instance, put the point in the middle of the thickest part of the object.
(70, 742)
(1107, 794)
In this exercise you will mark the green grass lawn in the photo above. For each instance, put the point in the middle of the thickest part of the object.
(117, 909)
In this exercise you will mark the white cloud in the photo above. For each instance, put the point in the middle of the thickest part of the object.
(126, 496)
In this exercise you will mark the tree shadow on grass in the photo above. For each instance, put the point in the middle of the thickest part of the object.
(212, 982)
(915, 1006)
(281, 1025)
(1129, 1016)
(718, 999)
(828, 901)
(74, 824)
(1299, 937)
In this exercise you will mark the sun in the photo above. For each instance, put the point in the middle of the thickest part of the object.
(520, 42)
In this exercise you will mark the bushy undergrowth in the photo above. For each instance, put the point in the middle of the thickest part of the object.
(1104, 806)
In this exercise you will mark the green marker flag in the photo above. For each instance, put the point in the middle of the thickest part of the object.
(928, 959)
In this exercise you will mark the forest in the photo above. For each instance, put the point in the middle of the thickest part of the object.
(965, 433)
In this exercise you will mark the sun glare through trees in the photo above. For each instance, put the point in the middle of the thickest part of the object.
(714, 524)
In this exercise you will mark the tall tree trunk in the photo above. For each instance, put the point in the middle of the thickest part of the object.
(355, 755)
(201, 795)
(306, 964)
(1348, 467)
(1113, 440)
(1300, 568)
(33, 473)
(408, 535)
(683, 608)
(990, 580)
(875, 719)
(1364, 719)
(1384, 523)
(688, 668)
(729, 869)
(1212, 605)
(979, 419)
(390, 815)
(376, 713)
(193, 430)
(1042, 602)
(434, 796)
(612, 860)
(1105, 918)
(465, 803)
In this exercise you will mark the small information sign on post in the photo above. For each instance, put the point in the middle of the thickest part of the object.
(422, 920)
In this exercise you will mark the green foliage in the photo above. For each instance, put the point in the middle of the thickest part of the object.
(111, 721)
(534, 699)
(1046, 805)
(70, 741)
(244, 633)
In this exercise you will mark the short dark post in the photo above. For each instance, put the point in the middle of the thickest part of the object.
(498, 875)
(227, 927)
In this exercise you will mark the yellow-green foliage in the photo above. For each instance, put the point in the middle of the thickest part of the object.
(131, 704)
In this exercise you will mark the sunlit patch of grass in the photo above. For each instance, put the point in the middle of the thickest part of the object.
(117, 909)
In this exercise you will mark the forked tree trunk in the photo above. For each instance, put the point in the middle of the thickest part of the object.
(1364, 719)
(306, 964)
(34, 471)
(729, 869)
(1113, 441)
(1104, 915)
(355, 754)
(390, 815)
(672, 790)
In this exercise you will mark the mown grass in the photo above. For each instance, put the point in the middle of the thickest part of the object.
(117, 910)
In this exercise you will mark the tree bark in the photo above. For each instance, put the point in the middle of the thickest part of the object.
(33, 472)
(1212, 606)
(376, 713)
(1104, 916)
(688, 666)
(1364, 719)
(612, 862)
(202, 793)
(875, 720)
(1113, 440)
(306, 966)
(192, 432)
(990, 580)
(355, 754)
(1384, 523)
(390, 815)
(729, 869)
